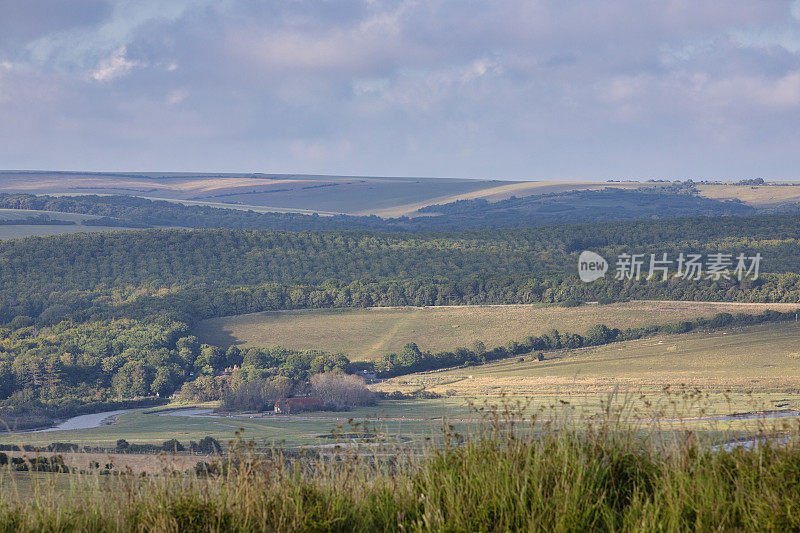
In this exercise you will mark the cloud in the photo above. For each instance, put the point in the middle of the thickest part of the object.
(360, 46)
(114, 66)
(79, 47)
(320, 151)
(780, 93)
(177, 96)
(513, 89)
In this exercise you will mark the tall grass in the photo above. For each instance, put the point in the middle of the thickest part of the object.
(511, 473)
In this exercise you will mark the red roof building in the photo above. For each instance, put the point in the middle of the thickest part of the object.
(293, 405)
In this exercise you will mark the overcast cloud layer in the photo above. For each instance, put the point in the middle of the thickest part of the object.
(507, 89)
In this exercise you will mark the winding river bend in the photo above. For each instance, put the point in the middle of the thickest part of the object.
(93, 420)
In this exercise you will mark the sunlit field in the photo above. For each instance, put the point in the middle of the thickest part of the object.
(366, 334)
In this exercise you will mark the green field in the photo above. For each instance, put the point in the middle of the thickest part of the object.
(409, 418)
(366, 334)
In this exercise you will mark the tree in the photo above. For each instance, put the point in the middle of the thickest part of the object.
(598, 335)
(210, 357)
(552, 340)
(233, 356)
(410, 357)
(162, 384)
(208, 445)
(131, 380)
(341, 391)
(479, 348)
(172, 445)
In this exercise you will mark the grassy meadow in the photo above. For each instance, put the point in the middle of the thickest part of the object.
(366, 334)
(755, 358)
(621, 437)
(398, 419)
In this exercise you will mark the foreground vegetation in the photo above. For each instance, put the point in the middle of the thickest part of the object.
(505, 475)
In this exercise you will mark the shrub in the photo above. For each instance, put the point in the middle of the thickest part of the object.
(720, 320)
(172, 445)
(207, 445)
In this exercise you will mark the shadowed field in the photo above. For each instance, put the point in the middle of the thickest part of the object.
(15, 231)
(366, 334)
(358, 195)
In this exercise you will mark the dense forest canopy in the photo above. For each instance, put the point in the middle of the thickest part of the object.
(201, 273)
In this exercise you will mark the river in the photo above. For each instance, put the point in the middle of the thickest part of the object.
(85, 421)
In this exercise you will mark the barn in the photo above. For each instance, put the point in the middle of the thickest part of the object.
(293, 405)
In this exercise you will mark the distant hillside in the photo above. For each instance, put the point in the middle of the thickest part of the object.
(561, 208)
(360, 195)
(133, 212)
(386, 197)
(579, 206)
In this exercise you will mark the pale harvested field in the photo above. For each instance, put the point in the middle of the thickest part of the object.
(263, 192)
(503, 192)
(366, 334)
(764, 359)
(756, 195)
(37, 183)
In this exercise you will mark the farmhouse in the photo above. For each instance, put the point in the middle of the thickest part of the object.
(293, 405)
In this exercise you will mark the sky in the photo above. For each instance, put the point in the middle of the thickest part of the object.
(502, 89)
